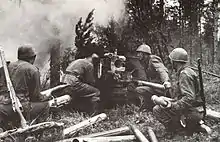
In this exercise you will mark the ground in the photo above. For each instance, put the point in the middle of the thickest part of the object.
(125, 115)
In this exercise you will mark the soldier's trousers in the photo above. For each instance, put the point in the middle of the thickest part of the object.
(85, 97)
(146, 93)
(170, 118)
(38, 110)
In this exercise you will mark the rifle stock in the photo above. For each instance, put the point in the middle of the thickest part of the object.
(16, 104)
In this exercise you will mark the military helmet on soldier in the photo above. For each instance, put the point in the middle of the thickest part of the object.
(179, 55)
(144, 48)
(26, 52)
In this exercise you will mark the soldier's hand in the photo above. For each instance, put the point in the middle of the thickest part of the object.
(164, 102)
(167, 99)
(167, 85)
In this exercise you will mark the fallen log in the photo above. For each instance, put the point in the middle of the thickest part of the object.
(31, 129)
(138, 134)
(209, 73)
(73, 129)
(151, 134)
(102, 139)
(114, 132)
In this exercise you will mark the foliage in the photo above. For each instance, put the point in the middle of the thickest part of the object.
(148, 22)
(68, 56)
(84, 38)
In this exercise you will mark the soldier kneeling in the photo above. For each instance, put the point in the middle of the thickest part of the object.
(180, 111)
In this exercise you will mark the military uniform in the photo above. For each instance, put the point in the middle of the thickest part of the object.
(80, 75)
(25, 78)
(187, 98)
(156, 72)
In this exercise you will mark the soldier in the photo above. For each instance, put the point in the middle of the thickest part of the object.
(149, 68)
(80, 75)
(25, 78)
(181, 111)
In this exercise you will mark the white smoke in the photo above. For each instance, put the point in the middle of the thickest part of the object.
(37, 21)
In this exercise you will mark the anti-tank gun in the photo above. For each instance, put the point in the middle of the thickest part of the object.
(112, 64)
(111, 70)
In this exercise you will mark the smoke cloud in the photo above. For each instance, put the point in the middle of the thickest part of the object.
(36, 22)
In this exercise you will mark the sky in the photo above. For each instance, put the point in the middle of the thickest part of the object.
(36, 21)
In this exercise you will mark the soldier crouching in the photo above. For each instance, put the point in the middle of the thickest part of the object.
(25, 78)
(80, 75)
(180, 112)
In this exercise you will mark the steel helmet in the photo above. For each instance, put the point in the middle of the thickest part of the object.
(179, 55)
(25, 52)
(144, 48)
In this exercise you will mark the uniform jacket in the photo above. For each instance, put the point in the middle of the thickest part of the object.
(83, 69)
(187, 91)
(153, 71)
(25, 79)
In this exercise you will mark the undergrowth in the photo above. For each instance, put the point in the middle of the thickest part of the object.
(124, 115)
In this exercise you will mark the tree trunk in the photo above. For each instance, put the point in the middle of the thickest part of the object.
(55, 63)
(215, 32)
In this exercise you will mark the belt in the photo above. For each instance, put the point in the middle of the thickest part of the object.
(73, 74)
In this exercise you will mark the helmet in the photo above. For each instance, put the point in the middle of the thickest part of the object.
(179, 55)
(25, 52)
(144, 48)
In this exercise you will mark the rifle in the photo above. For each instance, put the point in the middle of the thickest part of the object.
(201, 87)
(16, 104)
(17, 107)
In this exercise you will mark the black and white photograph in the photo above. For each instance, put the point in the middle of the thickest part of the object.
(109, 71)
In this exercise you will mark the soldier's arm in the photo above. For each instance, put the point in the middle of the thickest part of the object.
(35, 86)
(158, 65)
(187, 88)
(89, 75)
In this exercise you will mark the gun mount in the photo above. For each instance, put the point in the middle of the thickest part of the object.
(110, 73)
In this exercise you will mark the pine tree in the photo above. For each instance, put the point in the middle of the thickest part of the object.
(84, 38)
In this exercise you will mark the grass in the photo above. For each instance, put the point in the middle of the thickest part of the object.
(125, 115)
(129, 114)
